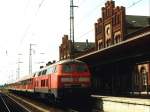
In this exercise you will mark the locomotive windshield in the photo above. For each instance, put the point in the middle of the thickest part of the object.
(67, 68)
(75, 67)
(81, 68)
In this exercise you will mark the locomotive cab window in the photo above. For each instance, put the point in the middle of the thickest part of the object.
(67, 68)
(81, 68)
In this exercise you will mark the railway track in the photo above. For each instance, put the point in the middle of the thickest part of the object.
(41, 105)
(60, 106)
(7, 104)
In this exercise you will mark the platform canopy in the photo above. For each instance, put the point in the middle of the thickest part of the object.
(135, 49)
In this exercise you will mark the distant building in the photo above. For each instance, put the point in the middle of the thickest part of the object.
(115, 25)
(64, 48)
(134, 23)
(110, 29)
(80, 48)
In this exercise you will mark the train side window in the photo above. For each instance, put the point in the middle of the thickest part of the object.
(51, 70)
(29, 81)
(26, 81)
(34, 74)
(43, 83)
(46, 82)
(37, 84)
(39, 73)
(54, 69)
(44, 72)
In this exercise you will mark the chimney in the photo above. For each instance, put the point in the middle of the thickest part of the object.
(87, 43)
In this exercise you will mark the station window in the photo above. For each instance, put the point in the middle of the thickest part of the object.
(108, 42)
(100, 45)
(117, 39)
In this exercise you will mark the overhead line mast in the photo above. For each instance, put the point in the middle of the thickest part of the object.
(72, 28)
(30, 59)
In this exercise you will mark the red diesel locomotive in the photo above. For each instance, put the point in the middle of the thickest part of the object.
(61, 79)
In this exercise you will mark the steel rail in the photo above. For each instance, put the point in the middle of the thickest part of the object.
(5, 103)
(19, 104)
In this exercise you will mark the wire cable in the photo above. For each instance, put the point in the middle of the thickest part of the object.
(134, 3)
(39, 6)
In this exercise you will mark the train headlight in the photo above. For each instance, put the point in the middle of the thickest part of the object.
(84, 79)
(66, 79)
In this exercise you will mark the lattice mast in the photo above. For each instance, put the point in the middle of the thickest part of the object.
(72, 28)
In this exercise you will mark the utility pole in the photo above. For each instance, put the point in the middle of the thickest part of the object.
(18, 72)
(30, 58)
(149, 9)
(72, 28)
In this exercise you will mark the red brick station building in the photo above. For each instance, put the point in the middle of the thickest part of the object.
(120, 56)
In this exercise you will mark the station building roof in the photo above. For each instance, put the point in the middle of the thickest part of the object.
(136, 22)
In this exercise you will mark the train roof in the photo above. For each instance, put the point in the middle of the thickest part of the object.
(63, 62)
(68, 61)
(59, 62)
(26, 77)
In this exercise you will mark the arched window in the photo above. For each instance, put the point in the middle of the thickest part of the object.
(100, 44)
(144, 78)
(117, 37)
(143, 72)
(108, 42)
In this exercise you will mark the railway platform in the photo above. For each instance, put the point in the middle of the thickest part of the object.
(120, 104)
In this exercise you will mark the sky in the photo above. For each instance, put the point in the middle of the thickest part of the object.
(43, 23)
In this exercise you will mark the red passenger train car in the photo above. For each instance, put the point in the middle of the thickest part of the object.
(62, 79)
